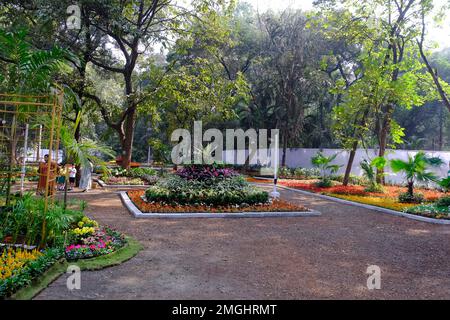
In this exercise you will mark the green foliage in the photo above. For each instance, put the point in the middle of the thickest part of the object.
(29, 70)
(83, 152)
(445, 183)
(430, 210)
(406, 197)
(370, 173)
(214, 192)
(306, 173)
(324, 183)
(443, 202)
(298, 173)
(284, 172)
(147, 174)
(25, 221)
(415, 169)
(352, 179)
(324, 164)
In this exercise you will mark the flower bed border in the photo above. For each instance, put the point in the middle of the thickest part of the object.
(134, 210)
(121, 255)
(366, 206)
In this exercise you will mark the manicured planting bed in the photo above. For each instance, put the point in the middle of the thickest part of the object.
(68, 235)
(138, 196)
(88, 240)
(122, 181)
(206, 191)
(387, 199)
(19, 267)
(132, 177)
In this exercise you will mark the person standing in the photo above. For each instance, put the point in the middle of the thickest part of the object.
(61, 180)
(72, 176)
(86, 177)
(44, 174)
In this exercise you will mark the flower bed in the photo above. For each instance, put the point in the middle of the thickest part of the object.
(12, 260)
(19, 267)
(274, 206)
(125, 181)
(389, 191)
(131, 177)
(387, 199)
(389, 203)
(430, 211)
(22, 224)
(91, 240)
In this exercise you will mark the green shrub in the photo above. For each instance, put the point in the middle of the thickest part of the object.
(218, 192)
(284, 172)
(352, 179)
(306, 173)
(324, 183)
(443, 202)
(429, 210)
(140, 172)
(374, 187)
(406, 197)
(25, 218)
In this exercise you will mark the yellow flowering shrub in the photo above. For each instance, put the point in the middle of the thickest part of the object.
(13, 260)
(388, 203)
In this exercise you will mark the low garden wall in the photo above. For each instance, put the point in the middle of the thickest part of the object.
(301, 157)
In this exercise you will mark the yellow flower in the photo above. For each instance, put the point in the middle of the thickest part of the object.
(13, 260)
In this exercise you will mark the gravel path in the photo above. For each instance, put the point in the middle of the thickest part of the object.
(322, 257)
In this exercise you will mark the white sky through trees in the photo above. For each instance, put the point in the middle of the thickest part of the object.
(439, 35)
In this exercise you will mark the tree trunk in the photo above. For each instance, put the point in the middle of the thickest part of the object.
(381, 153)
(348, 169)
(411, 188)
(441, 127)
(383, 136)
(127, 145)
(354, 148)
(285, 139)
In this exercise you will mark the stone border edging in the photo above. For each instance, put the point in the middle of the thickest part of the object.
(138, 214)
(371, 207)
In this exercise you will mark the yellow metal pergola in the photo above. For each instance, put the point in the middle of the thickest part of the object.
(29, 129)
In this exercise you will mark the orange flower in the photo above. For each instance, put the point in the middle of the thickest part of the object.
(389, 191)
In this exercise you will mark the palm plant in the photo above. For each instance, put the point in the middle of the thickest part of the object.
(370, 173)
(28, 70)
(415, 169)
(324, 164)
(81, 153)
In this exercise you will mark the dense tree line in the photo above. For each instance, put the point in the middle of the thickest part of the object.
(357, 76)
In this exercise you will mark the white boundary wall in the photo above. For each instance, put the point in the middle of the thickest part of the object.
(300, 157)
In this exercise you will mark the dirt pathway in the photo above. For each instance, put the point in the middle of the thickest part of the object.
(273, 258)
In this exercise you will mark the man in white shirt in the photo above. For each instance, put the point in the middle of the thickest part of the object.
(72, 176)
